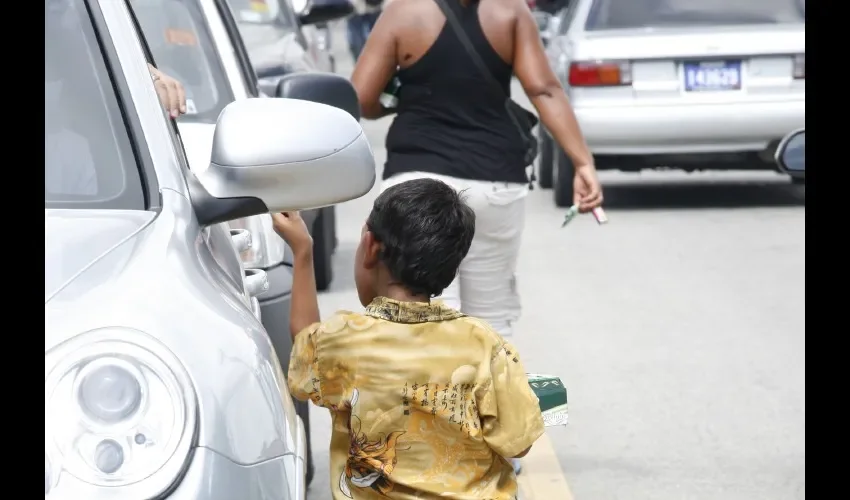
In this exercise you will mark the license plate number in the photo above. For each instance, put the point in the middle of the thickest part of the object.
(712, 76)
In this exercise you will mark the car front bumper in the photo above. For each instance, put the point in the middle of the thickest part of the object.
(212, 476)
(682, 128)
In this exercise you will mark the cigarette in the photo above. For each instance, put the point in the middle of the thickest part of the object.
(600, 216)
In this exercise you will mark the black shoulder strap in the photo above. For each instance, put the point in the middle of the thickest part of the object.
(451, 18)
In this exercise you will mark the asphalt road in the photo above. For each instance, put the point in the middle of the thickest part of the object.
(678, 328)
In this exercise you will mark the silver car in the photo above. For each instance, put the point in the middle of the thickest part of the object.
(677, 83)
(215, 71)
(160, 381)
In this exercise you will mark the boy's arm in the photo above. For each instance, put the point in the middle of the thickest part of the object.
(305, 304)
(304, 310)
(509, 410)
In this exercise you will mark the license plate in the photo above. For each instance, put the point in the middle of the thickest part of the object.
(712, 76)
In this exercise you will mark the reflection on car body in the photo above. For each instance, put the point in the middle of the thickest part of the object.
(678, 83)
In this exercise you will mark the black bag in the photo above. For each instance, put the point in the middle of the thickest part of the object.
(523, 119)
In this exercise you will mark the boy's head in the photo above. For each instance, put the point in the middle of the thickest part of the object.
(416, 236)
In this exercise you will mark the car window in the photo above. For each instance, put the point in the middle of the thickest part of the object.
(89, 160)
(263, 12)
(626, 14)
(182, 47)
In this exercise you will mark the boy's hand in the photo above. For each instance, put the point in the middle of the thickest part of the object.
(291, 227)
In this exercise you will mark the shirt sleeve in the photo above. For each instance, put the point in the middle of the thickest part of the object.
(317, 364)
(303, 376)
(509, 410)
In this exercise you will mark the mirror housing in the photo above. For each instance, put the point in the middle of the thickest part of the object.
(322, 11)
(791, 154)
(274, 155)
(325, 88)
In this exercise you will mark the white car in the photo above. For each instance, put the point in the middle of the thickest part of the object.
(677, 83)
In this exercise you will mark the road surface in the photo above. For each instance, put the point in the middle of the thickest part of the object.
(678, 328)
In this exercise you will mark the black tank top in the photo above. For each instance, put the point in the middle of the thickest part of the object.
(451, 121)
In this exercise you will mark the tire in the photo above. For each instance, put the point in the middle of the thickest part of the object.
(798, 181)
(324, 236)
(544, 161)
(302, 409)
(562, 179)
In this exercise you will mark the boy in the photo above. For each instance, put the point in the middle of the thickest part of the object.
(426, 402)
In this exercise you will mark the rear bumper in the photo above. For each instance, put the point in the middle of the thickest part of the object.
(689, 128)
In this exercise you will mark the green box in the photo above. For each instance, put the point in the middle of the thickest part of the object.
(552, 396)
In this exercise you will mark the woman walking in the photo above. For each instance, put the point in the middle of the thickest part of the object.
(454, 60)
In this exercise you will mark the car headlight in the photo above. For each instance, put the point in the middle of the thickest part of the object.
(120, 411)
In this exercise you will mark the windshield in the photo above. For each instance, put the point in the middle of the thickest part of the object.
(626, 14)
(88, 157)
(261, 12)
(179, 40)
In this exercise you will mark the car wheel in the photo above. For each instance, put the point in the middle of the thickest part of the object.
(323, 244)
(302, 409)
(544, 161)
(562, 179)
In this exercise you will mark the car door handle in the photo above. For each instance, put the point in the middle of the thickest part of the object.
(241, 239)
(256, 281)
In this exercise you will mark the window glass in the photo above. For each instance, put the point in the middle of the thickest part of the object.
(182, 47)
(89, 160)
(626, 14)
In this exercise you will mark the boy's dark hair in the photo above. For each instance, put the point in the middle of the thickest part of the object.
(425, 228)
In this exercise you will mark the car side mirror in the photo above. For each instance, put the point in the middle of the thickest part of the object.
(326, 88)
(322, 11)
(791, 154)
(273, 155)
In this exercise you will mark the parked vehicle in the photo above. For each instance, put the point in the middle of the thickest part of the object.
(281, 41)
(682, 84)
(197, 40)
(282, 37)
(791, 156)
(159, 380)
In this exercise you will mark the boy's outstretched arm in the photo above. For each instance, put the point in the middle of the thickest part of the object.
(305, 303)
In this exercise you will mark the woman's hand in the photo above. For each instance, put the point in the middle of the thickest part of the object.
(170, 91)
(587, 193)
(291, 227)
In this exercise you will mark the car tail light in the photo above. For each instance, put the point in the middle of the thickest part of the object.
(600, 74)
(800, 66)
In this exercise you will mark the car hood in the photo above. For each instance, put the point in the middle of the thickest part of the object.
(74, 239)
(152, 273)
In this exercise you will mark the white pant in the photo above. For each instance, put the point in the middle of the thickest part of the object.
(486, 286)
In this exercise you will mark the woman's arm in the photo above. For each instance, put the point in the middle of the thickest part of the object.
(545, 91)
(376, 66)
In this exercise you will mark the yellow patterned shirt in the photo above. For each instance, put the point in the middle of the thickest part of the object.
(426, 402)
